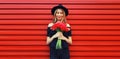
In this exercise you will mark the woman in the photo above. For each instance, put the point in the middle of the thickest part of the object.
(59, 12)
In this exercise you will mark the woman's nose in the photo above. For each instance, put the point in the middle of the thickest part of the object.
(59, 14)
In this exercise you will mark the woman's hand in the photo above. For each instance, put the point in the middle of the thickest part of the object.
(62, 37)
(68, 40)
(58, 34)
(54, 36)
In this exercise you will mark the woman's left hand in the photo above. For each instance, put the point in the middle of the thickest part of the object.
(62, 37)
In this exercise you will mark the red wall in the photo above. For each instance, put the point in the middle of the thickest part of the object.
(95, 28)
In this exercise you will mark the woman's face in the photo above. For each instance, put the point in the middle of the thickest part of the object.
(59, 14)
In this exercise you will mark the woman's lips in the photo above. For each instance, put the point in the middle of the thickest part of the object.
(59, 17)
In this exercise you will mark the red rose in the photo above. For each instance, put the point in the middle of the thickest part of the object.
(59, 25)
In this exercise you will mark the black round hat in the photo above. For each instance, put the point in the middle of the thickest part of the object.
(60, 6)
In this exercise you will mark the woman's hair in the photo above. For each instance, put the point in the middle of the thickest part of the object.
(63, 19)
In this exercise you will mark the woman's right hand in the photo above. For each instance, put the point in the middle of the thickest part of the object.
(58, 34)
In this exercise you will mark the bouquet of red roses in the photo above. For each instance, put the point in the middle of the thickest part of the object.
(59, 26)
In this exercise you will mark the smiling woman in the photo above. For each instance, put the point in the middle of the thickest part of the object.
(59, 40)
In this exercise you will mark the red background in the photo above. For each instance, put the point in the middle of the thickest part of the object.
(95, 28)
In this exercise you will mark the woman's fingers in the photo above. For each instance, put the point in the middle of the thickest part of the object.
(58, 34)
(62, 38)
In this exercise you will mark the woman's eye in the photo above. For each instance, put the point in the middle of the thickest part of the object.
(57, 13)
